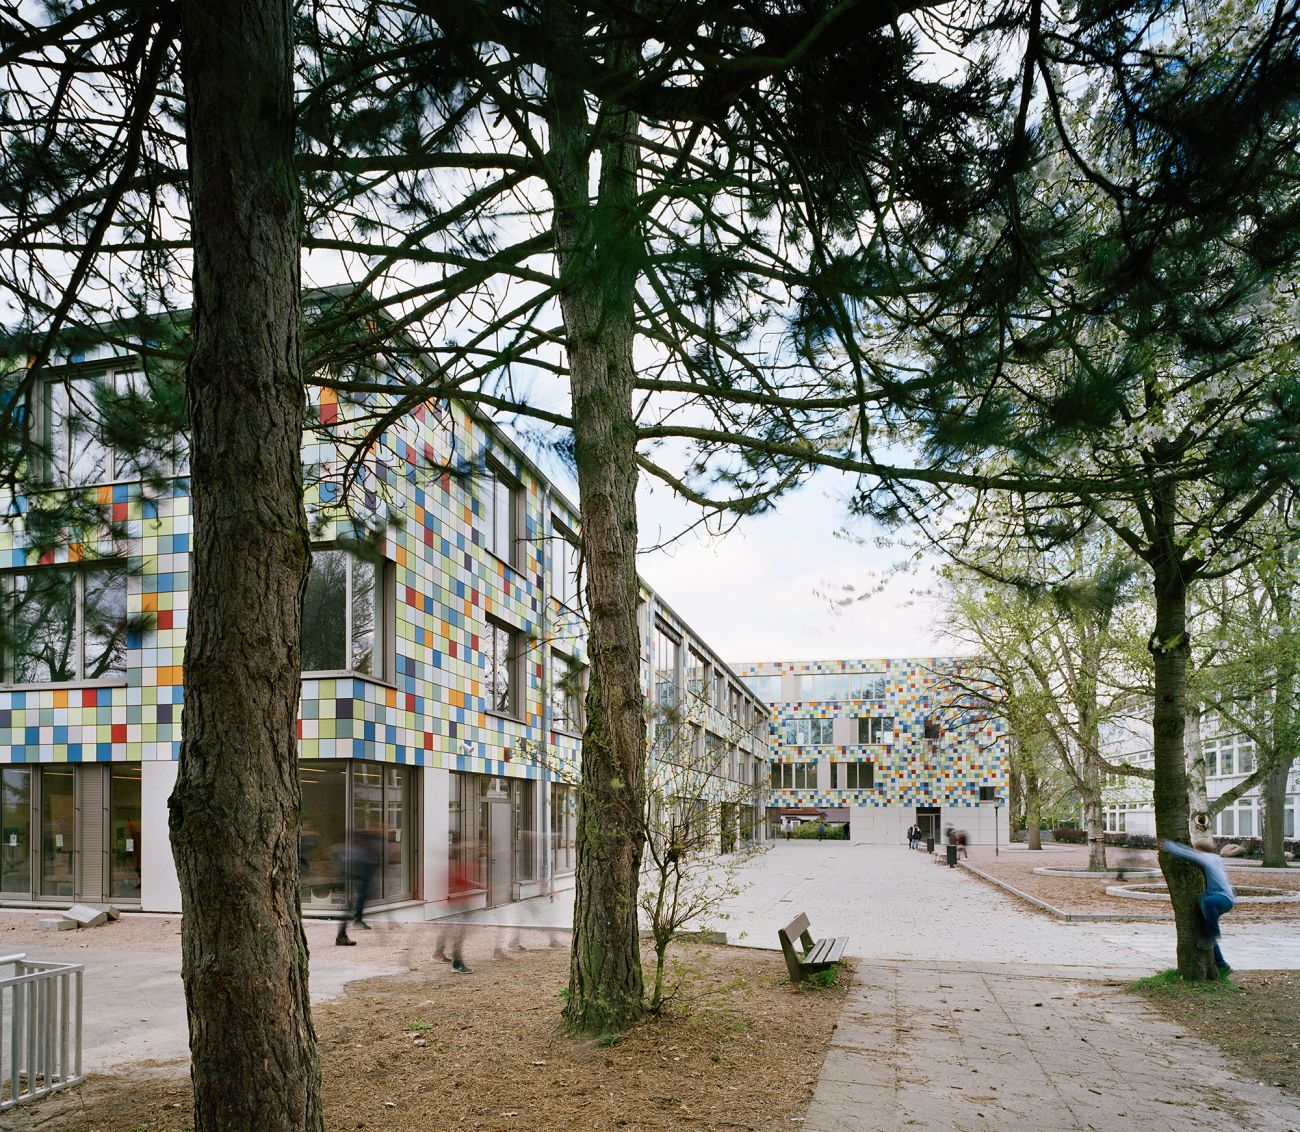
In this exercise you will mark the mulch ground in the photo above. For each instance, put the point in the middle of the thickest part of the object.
(739, 1048)
(1087, 895)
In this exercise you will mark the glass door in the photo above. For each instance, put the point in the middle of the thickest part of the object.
(124, 831)
(58, 831)
(16, 830)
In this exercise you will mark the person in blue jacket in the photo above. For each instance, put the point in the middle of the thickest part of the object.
(1217, 899)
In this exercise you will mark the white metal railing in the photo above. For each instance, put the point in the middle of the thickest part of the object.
(40, 1028)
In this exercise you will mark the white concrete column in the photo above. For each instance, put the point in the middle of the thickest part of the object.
(160, 889)
(435, 833)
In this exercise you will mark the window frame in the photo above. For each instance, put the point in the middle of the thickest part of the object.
(384, 648)
(499, 484)
(512, 664)
(843, 770)
(80, 572)
(873, 736)
(565, 550)
(573, 715)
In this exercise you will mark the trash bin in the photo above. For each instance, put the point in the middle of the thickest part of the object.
(929, 844)
(952, 856)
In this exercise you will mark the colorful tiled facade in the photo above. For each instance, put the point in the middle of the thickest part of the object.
(883, 743)
(422, 708)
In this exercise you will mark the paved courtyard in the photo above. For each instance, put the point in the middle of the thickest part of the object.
(969, 1011)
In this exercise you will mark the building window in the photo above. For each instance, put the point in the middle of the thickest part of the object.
(356, 808)
(933, 730)
(766, 688)
(794, 776)
(852, 776)
(988, 793)
(567, 680)
(719, 690)
(348, 615)
(502, 657)
(842, 686)
(501, 507)
(875, 729)
(566, 565)
(667, 660)
(72, 413)
(564, 824)
(697, 675)
(807, 732)
(67, 623)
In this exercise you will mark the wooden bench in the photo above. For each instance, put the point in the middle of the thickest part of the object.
(816, 956)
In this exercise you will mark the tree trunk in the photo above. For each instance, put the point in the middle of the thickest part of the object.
(1094, 822)
(1198, 796)
(1170, 648)
(598, 251)
(1274, 817)
(1033, 807)
(234, 811)
(1284, 733)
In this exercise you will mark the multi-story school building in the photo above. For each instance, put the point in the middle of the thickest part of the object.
(884, 744)
(443, 654)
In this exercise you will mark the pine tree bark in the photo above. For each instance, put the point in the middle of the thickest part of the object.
(1170, 648)
(234, 811)
(598, 249)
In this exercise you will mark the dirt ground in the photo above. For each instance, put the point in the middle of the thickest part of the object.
(1253, 1016)
(1085, 895)
(739, 1048)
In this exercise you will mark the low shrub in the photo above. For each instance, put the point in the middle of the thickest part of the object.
(819, 831)
(1070, 836)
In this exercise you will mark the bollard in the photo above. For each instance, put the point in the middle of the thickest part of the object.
(952, 856)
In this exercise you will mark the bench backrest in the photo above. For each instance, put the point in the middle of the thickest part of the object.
(796, 927)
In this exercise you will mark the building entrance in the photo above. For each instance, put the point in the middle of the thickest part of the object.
(927, 819)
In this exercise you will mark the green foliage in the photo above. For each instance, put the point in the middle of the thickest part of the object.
(1170, 983)
(419, 1027)
(821, 980)
(822, 831)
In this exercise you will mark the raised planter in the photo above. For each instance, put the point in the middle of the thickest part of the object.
(1245, 895)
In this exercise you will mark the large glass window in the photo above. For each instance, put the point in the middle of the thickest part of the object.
(566, 692)
(566, 564)
(341, 801)
(58, 831)
(15, 830)
(502, 657)
(347, 614)
(465, 871)
(766, 688)
(124, 817)
(852, 776)
(794, 776)
(564, 823)
(668, 660)
(807, 732)
(843, 686)
(875, 729)
(523, 794)
(67, 623)
(500, 513)
(72, 429)
(697, 674)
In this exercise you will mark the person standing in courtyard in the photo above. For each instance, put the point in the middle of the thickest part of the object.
(1217, 899)
(361, 861)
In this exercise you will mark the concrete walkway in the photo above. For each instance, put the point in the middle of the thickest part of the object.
(942, 1047)
(970, 1012)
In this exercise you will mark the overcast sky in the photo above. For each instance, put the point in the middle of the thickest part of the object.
(765, 590)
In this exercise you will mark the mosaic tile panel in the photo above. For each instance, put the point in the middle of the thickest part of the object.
(909, 770)
(421, 487)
